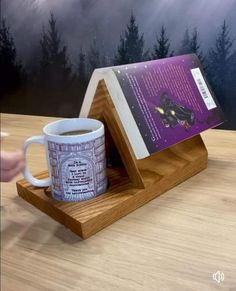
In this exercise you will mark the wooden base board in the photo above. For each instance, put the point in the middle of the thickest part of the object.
(160, 173)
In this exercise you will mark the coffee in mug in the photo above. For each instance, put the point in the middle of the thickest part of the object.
(75, 151)
(75, 132)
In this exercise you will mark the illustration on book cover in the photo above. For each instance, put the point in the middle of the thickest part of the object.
(169, 99)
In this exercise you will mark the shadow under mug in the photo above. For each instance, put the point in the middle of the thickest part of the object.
(76, 163)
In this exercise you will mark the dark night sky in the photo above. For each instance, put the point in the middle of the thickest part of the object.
(81, 20)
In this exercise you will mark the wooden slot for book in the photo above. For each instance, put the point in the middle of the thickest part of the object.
(132, 182)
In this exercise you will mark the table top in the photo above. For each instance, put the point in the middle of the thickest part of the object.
(175, 242)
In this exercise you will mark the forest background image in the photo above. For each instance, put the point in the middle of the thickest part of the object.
(53, 81)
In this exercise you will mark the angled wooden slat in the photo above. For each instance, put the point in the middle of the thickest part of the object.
(131, 185)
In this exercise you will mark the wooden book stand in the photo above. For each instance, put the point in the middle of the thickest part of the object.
(132, 182)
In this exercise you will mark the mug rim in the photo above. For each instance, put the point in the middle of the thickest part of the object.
(95, 122)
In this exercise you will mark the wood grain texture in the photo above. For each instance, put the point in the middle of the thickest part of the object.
(165, 171)
(146, 178)
(103, 108)
(175, 242)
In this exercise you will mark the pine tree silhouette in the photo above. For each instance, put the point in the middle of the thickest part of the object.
(185, 43)
(55, 72)
(162, 47)
(232, 75)
(219, 57)
(222, 73)
(131, 47)
(195, 46)
(82, 74)
(191, 45)
(56, 84)
(229, 93)
(94, 60)
(105, 60)
(11, 71)
(122, 53)
(81, 66)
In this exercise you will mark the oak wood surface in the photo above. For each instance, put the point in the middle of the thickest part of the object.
(103, 108)
(175, 242)
(145, 179)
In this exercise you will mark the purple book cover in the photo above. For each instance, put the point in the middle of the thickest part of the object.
(170, 99)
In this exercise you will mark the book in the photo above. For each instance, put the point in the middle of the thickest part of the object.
(159, 102)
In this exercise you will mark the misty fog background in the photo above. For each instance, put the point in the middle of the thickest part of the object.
(81, 20)
(84, 25)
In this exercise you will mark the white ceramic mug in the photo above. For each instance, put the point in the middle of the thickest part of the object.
(76, 163)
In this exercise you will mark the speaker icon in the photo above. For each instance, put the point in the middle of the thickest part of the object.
(218, 277)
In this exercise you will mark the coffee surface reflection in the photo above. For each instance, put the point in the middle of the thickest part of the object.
(75, 132)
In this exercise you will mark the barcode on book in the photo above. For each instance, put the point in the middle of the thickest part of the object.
(203, 89)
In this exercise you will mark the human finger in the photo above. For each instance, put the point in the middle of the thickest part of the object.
(3, 135)
(8, 175)
(10, 159)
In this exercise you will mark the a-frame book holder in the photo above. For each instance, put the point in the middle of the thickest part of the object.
(132, 183)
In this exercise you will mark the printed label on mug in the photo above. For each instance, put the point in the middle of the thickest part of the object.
(78, 171)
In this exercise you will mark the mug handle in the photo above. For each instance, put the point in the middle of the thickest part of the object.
(28, 176)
